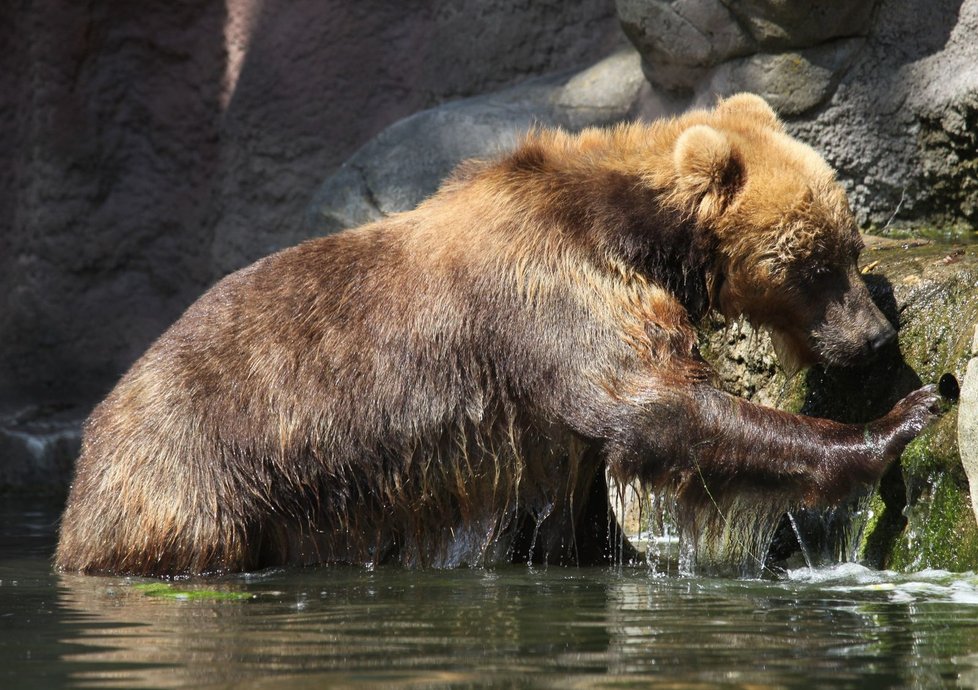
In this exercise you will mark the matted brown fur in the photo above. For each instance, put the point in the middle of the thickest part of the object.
(448, 385)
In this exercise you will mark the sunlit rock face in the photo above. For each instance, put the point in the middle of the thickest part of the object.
(792, 53)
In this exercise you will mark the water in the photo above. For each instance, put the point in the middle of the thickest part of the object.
(838, 627)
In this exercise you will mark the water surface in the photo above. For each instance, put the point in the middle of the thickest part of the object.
(839, 627)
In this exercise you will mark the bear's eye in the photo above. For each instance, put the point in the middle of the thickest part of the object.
(821, 274)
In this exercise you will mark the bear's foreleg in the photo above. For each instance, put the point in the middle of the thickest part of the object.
(711, 440)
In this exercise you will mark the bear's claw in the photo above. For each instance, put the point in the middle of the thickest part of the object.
(912, 415)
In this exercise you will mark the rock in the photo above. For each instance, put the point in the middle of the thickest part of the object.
(682, 40)
(108, 138)
(968, 422)
(406, 162)
(779, 25)
(37, 451)
(792, 82)
(321, 78)
(886, 90)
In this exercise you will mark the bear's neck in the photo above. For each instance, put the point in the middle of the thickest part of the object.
(596, 200)
(637, 227)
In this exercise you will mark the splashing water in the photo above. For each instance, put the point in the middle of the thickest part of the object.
(930, 586)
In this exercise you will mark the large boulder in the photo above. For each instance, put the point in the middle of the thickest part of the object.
(406, 162)
(684, 42)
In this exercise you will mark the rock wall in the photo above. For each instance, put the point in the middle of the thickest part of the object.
(316, 80)
(109, 125)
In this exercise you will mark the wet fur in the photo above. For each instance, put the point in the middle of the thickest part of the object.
(448, 386)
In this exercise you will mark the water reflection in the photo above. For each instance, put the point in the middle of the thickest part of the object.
(338, 624)
(838, 627)
(555, 627)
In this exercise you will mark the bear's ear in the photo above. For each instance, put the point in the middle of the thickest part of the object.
(709, 170)
(750, 106)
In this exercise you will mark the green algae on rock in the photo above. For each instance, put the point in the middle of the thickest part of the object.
(165, 590)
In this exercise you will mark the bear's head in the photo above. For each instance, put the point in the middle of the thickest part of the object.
(785, 238)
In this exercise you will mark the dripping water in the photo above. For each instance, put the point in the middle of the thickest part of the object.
(801, 540)
(539, 517)
(703, 540)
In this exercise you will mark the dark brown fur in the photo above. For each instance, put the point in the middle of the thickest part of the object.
(448, 386)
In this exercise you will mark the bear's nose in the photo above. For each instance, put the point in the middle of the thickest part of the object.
(881, 339)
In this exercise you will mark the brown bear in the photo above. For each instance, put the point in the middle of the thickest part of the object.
(449, 385)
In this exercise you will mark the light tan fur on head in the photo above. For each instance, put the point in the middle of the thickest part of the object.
(784, 207)
(749, 106)
(778, 217)
(704, 159)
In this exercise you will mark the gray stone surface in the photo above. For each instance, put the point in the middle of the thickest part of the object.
(682, 40)
(900, 125)
(322, 77)
(792, 82)
(406, 162)
(968, 422)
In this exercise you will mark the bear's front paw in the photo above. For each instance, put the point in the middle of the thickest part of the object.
(910, 416)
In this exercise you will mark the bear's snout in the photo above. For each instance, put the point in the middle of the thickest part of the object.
(851, 329)
(885, 335)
